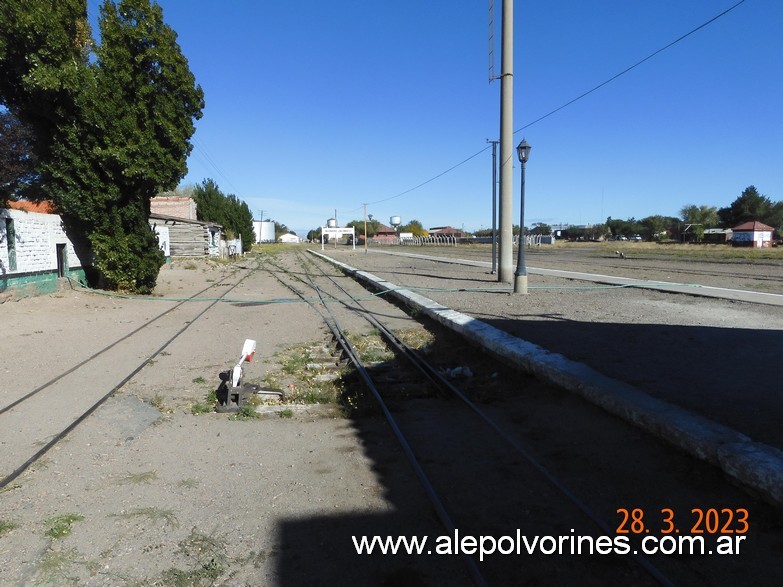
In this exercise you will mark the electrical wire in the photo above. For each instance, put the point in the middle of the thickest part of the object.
(574, 100)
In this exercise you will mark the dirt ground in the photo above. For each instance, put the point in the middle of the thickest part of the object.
(155, 495)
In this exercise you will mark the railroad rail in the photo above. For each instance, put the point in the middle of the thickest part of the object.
(442, 385)
(66, 411)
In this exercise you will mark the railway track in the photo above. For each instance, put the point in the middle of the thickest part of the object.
(485, 486)
(728, 273)
(62, 403)
(485, 474)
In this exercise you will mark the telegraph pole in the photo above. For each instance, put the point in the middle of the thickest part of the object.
(506, 272)
(494, 206)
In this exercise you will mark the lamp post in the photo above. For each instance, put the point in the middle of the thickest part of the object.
(520, 276)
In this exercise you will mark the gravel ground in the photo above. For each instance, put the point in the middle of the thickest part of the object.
(719, 358)
(159, 496)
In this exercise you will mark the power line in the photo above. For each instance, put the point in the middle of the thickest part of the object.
(634, 66)
(587, 93)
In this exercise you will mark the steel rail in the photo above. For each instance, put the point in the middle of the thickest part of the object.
(443, 383)
(67, 430)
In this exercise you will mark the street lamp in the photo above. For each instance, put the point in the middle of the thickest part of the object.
(520, 276)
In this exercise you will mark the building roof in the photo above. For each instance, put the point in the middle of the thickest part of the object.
(42, 207)
(753, 225)
(176, 219)
(383, 229)
(444, 230)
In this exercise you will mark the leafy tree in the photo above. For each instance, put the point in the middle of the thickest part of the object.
(112, 131)
(234, 215)
(17, 158)
(44, 48)
(541, 228)
(415, 227)
(750, 205)
(358, 225)
(707, 216)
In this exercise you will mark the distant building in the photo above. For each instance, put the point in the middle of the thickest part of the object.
(174, 206)
(288, 238)
(752, 234)
(385, 235)
(446, 231)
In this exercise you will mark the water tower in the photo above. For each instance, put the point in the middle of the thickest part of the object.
(395, 221)
(331, 223)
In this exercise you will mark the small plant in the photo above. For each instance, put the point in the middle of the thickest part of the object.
(190, 266)
(60, 526)
(287, 413)
(206, 406)
(245, 413)
(6, 527)
(199, 380)
(152, 513)
(138, 478)
(55, 566)
(188, 483)
(159, 403)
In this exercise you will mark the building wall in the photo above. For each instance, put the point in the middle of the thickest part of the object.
(29, 251)
(177, 206)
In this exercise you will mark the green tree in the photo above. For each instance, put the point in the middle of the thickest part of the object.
(44, 49)
(234, 215)
(707, 216)
(18, 160)
(415, 227)
(750, 205)
(541, 228)
(111, 132)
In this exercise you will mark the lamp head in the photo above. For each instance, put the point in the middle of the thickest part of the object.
(523, 151)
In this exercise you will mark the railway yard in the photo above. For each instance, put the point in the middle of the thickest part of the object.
(115, 469)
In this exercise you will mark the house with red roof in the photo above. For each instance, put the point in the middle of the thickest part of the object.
(752, 234)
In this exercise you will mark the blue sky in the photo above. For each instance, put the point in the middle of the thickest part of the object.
(313, 106)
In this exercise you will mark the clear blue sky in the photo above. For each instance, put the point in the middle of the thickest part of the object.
(313, 106)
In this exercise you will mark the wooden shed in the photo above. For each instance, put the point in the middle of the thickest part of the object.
(189, 238)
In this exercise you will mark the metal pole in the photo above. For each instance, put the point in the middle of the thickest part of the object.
(506, 148)
(365, 230)
(520, 277)
(494, 206)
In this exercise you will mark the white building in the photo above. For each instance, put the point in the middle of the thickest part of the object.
(35, 250)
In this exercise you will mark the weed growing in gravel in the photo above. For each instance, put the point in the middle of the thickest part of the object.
(138, 478)
(159, 403)
(205, 407)
(188, 483)
(199, 380)
(151, 513)
(55, 567)
(286, 413)
(6, 526)
(208, 553)
(60, 526)
(245, 413)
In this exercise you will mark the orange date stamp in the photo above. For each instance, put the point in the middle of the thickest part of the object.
(723, 521)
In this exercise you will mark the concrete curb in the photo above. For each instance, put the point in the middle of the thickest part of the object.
(755, 465)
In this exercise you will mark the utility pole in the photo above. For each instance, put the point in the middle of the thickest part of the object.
(494, 206)
(506, 272)
(365, 228)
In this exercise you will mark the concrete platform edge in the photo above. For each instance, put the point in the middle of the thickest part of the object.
(757, 466)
